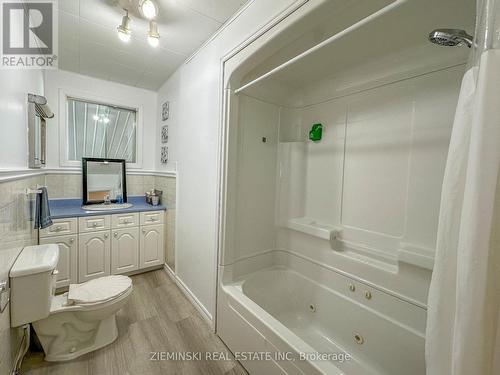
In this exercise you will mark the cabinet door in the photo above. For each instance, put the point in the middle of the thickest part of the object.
(68, 262)
(94, 252)
(151, 250)
(125, 250)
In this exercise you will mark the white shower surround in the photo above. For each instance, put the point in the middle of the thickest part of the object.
(373, 182)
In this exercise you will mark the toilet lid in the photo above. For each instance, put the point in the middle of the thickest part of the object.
(98, 290)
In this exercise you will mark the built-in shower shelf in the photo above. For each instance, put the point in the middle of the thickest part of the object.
(312, 227)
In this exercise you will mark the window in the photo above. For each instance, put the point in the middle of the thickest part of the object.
(101, 131)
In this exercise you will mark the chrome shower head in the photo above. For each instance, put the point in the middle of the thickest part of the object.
(451, 37)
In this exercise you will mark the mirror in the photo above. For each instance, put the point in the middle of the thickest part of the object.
(104, 181)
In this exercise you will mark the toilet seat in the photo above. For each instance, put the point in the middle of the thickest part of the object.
(98, 291)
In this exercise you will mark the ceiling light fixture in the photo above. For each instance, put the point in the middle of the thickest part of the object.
(124, 30)
(148, 9)
(153, 34)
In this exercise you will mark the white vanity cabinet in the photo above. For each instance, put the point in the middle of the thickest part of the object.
(125, 250)
(152, 241)
(96, 246)
(68, 263)
(94, 255)
(64, 232)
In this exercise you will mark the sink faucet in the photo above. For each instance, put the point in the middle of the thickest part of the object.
(107, 199)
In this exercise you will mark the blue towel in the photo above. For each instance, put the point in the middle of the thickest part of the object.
(42, 210)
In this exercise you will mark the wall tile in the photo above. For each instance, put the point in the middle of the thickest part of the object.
(16, 232)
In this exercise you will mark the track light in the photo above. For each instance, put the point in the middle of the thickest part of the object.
(153, 34)
(148, 9)
(124, 30)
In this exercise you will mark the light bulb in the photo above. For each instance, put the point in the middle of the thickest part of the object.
(153, 34)
(124, 37)
(106, 120)
(149, 10)
(123, 29)
(95, 117)
(153, 41)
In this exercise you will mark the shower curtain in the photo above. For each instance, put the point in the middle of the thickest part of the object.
(463, 322)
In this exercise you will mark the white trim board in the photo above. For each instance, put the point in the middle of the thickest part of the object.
(19, 174)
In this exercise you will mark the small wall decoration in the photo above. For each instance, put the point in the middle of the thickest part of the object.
(164, 154)
(165, 111)
(164, 134)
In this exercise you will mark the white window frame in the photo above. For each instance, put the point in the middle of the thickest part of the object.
(64, 94)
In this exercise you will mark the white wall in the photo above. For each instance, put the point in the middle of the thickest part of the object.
(14, 88)
(59, 80)
(194, 93)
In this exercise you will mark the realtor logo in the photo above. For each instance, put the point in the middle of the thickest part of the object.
(29, 34)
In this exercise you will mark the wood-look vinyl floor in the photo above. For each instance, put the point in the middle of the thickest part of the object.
(157, 318)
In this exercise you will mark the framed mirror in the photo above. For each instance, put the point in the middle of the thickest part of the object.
(104, 181)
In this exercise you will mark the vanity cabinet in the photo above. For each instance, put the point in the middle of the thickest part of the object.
(125, 250)
(152, 240)
(96, 246)
(94, 255)
(68, 263)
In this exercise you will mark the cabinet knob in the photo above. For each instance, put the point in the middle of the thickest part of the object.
(106, 235)
(71, 240)
(58, 228)
(115, 234)
(126, 222)
(152, 219)
(94, 224)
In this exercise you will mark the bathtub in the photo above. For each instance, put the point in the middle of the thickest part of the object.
(308, 319)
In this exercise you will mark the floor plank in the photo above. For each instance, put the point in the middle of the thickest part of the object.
(157, 318)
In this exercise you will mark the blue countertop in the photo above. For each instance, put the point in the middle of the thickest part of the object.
(64, 208)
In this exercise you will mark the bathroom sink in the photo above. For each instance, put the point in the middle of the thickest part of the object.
(106, 207)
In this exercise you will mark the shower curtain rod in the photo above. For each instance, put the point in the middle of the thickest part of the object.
(332, 39)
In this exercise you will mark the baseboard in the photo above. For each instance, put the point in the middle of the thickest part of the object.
(190, 296)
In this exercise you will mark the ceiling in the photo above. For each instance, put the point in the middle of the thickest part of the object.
(89, 45)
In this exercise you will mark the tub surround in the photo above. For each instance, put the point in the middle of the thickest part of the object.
(65, 208)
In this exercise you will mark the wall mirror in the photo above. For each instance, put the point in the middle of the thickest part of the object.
(104, 181)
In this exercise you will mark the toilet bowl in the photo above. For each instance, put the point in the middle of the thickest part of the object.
(68, 325)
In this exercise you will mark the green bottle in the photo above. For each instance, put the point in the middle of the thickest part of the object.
(316, 133)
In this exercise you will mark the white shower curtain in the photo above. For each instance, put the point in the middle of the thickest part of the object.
(463, 323)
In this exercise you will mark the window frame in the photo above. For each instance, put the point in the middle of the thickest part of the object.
(64, 95)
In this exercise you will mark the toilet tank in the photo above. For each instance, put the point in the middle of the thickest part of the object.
(32, 283)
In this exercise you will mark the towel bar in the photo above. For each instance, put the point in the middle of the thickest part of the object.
(34, 191)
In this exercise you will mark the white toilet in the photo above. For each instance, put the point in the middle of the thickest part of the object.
(71, 324)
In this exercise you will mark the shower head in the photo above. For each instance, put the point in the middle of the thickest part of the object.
(451, 37)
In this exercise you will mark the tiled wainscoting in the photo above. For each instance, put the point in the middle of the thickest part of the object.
(15, 233)
(16, 229)
(168, 186)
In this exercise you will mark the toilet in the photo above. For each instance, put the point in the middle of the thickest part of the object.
(71, 324)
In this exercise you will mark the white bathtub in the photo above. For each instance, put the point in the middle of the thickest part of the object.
(282, 303)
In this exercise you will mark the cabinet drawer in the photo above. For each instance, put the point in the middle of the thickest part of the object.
(94, 223)
(152, 217)
(60, 227)
(125, 220)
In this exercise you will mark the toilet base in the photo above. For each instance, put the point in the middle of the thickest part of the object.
(101, 336)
